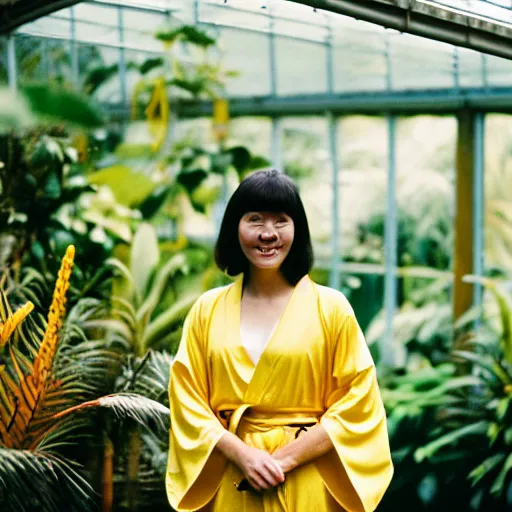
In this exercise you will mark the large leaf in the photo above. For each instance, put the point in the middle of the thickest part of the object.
(429, 450)
(169, 318)
(62, 105)
(175, 263)
(127, 405)
(145, 255)
(129, 187)
(188, 33)
(505, 308)
(31, 480)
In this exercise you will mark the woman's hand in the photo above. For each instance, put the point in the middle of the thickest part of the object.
(260, 469)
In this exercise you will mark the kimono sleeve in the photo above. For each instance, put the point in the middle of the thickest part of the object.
(359, 470)
(194, 468)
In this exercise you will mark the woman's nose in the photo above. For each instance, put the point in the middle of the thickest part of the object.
(268, 233)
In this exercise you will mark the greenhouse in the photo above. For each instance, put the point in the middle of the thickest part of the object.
(126, 126)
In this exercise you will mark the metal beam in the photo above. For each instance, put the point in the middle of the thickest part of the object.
(427, 20)
(13, 16)
(276, 147)
(335, 269)
(464, 215)
(387, 348)
(11, 63)
(441, 101)
(478, 205)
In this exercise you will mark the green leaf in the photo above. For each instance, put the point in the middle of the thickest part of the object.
(195, 36)
(191, 179)
(145, 255)
(499, 484)
(188, 33)
(52, 187)
(165, 321)
(486, 362)
(127, 150)
(505, 308)
(150, 64)
(485, 467)
(62, 105)
(241, 158)
(129, 187)
(152, 204)
(43, 478)
(97, 76)
(430, 449)
(175, 263)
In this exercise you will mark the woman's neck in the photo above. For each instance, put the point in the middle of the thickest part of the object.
(266, 283)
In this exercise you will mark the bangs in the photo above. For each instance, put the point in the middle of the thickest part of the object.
(258, 193)
(265, 191)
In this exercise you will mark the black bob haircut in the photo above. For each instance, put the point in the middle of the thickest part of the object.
(265, 191)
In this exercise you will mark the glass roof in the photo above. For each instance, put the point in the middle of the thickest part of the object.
(496, 10)
(286, 49)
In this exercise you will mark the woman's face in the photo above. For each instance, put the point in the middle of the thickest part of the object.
(266, 238)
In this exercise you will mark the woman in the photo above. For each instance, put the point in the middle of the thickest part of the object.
(273, 394)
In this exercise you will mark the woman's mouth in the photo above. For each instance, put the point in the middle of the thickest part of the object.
(268, 251)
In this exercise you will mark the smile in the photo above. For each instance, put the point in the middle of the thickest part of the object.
(268, 250)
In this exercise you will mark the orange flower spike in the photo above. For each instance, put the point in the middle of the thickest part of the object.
(7, 328)
(57, 312)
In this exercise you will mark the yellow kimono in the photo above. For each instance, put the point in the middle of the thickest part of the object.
(316, 367)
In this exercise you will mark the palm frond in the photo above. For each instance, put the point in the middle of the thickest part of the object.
(23, 384)
(31, 480)
(127, 405)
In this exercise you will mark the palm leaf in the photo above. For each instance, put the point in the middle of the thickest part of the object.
(429, 450)
(126, 405)
(38, 479)
(161, 325)
(24, 389)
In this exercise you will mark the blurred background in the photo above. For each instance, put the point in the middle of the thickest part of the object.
(125, 125)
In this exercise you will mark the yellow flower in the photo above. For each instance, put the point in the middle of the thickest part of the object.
(57, 312)
(7, 328)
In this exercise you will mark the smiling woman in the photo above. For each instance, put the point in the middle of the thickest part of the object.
(274, 399)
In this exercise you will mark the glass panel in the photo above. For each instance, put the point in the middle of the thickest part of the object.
(55, 25)
(96, 24)
(253, 132)
(40, 59)
(304, 75)
(134, 59)
(499, 71)
(248, 54)
(418, 63)
(471, 68)
(91, 59)
(363, 150)
(425, 159)
(306, 160)
(498, 180)
(359, 61)
(140, 29)
(497, 10)
(195, 131)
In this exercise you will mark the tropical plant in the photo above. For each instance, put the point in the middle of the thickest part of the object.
(486, 409)
(50, 371)
(461, 423)
(151, 296)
